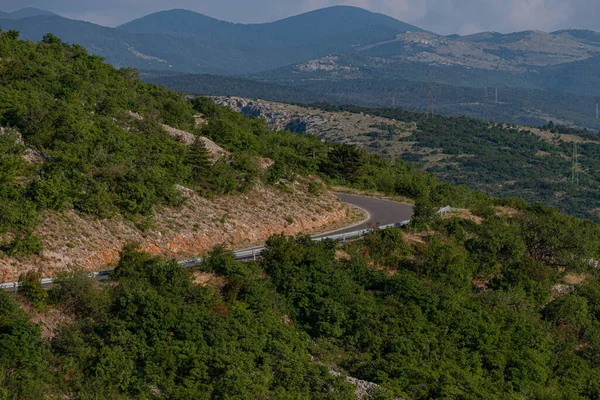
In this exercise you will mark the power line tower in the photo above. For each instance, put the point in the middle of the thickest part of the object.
(430, 97)
(496, 94)
(597, 111)
(485, 104)
(575, 172)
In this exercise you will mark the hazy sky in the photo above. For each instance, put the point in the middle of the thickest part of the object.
(442, 16)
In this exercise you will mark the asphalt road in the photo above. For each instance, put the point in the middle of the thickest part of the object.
(381, 212)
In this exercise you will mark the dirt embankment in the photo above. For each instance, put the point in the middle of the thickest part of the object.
(241, 220)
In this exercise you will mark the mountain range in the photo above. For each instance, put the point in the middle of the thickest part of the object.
(25, 13)
(184, 41)
(347, 54)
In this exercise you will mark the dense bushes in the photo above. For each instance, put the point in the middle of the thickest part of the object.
(75, 133)
(155, 334)
(70, 114)
(500, 159)
(338, 164)
(433, 322)
(464, 310)
(23, 356)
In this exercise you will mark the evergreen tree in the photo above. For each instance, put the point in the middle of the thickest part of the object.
(199, 159)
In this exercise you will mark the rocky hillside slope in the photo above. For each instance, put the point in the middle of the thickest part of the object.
(343, 127)
(91, 159)
(504, 160)
(72, 239)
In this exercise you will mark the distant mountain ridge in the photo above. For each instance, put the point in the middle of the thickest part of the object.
(26, 12)
(347, 54)
(185, 41)
(293, 31)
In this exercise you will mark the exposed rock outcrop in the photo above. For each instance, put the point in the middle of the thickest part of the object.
(240, 221)
(328, 126)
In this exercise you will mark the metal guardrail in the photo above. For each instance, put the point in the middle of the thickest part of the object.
(243, 255)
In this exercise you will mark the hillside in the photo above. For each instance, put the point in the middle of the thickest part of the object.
(521, 55)
(503, 160)
(93, 159)
(502, 304)
(515, 105)
(496, 300)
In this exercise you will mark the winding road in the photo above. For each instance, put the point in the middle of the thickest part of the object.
(380, 213)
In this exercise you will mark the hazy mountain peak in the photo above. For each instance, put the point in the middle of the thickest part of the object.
(318, 23)
(29, 12)
(178, 21)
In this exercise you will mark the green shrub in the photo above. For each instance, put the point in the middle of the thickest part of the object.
(26, 244)
(32, 289)
(315, 188)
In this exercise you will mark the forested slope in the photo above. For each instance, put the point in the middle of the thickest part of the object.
(68, 140)
(534, 163)
(498, 307)
(498, 301)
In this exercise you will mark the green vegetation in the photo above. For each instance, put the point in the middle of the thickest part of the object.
(468, 312)
(502, 160)
(72, 138)
(462, 310)
(68, 112)
(337, 164)
(155, 334)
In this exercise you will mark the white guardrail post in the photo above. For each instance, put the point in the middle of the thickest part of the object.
(238, 255)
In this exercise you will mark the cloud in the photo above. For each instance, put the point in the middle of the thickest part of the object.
(538, 14)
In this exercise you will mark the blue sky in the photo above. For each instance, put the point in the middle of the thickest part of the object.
(442, 16)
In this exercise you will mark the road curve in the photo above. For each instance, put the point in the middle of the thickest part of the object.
(381, 212)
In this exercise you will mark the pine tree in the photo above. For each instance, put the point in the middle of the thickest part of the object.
(199, 158)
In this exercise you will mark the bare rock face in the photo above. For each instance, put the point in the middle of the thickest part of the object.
(561, 290)
(187, 138)
(12, 132)
(30, 155)
(239, 221)
(364, 389)
(328, 126)
(183, 136)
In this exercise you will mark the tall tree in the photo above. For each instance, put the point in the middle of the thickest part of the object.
(199, 158)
